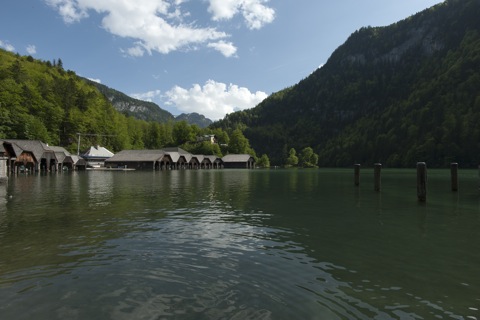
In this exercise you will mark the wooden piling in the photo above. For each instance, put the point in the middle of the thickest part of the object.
(377, 175)
(422, 181)
(454, 176)
(357, 174)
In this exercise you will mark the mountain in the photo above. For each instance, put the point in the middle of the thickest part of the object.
(146, 110)
(396, 95)
(194, 118)
(39, 100)
(143, 110)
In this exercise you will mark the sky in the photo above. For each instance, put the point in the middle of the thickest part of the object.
(212, 57)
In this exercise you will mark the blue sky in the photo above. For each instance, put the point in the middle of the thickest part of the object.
(205, 56)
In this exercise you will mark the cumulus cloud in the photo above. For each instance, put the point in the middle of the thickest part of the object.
(214, 99)
(147, 96)
(69, 10)
(158, 25)
(255, 13)
(7, 46)
(31, 49)
(226, 48)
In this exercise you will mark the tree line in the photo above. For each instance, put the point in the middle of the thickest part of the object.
(39, 100)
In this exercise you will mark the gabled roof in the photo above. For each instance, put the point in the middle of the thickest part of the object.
(188, 157)
(138, 155)
(76, 160)
(36, 147)
(213, 158)
(237, 158)
(174, 155)
(7, 147)
(97, 152)
(60, 153)
(199, 157)
(176, 149)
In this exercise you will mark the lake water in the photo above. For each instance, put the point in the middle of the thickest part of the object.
(238, 244)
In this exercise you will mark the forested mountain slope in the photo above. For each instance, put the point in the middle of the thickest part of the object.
(39, 100)
(146, 110)
(399, 94)
(143, 110)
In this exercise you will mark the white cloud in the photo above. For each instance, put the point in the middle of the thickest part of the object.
(146, 96)
(137, 51)
(256, 14)
(70, 10)
(157, 25)
(214, 99)
(95, 80)
(31, 49)
(226, 48)
(7, 46)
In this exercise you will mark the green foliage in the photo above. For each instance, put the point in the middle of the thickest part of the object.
(239, 144)
(292, 159)
(396, 95)
(307, 158)
(264, 161)
(142, 110)
(39, 100)
(183, 133)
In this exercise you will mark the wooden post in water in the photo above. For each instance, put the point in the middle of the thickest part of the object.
(454, 176)
(377, 174)
(357, 174)
(422, 181)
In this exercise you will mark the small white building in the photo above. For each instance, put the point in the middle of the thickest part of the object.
(95, 156)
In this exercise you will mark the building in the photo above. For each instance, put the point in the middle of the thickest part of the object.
(67, 161)
(238, 161)
(30, 155)
(140, 160)
(95, 156)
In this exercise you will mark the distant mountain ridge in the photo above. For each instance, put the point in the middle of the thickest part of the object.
(194, 118)
(399, 94)
(146, 110)
(143, 110)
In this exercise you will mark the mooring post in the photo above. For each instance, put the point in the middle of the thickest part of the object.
(357, 174)
(479, 176)
(454, 175)
(422, 181)
(377, 174)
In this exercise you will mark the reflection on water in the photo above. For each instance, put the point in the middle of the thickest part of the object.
(235, 244)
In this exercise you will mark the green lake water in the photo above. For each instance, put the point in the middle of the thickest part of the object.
(238, 244)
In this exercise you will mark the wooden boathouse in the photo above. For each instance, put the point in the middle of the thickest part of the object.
(140, 160)
(238, 161)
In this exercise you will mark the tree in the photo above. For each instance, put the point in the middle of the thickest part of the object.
(238, 143)
(264, 162)
(292, 159)
(308, 159)
(182, 133)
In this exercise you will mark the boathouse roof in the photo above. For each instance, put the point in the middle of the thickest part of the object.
(236, 158)
(60, 153)
(36, 147)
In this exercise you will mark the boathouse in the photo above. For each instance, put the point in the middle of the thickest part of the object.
(215, 162)
(31, 155)
(238, 161)
(140, 160)
(180, 158)
(65, 160)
